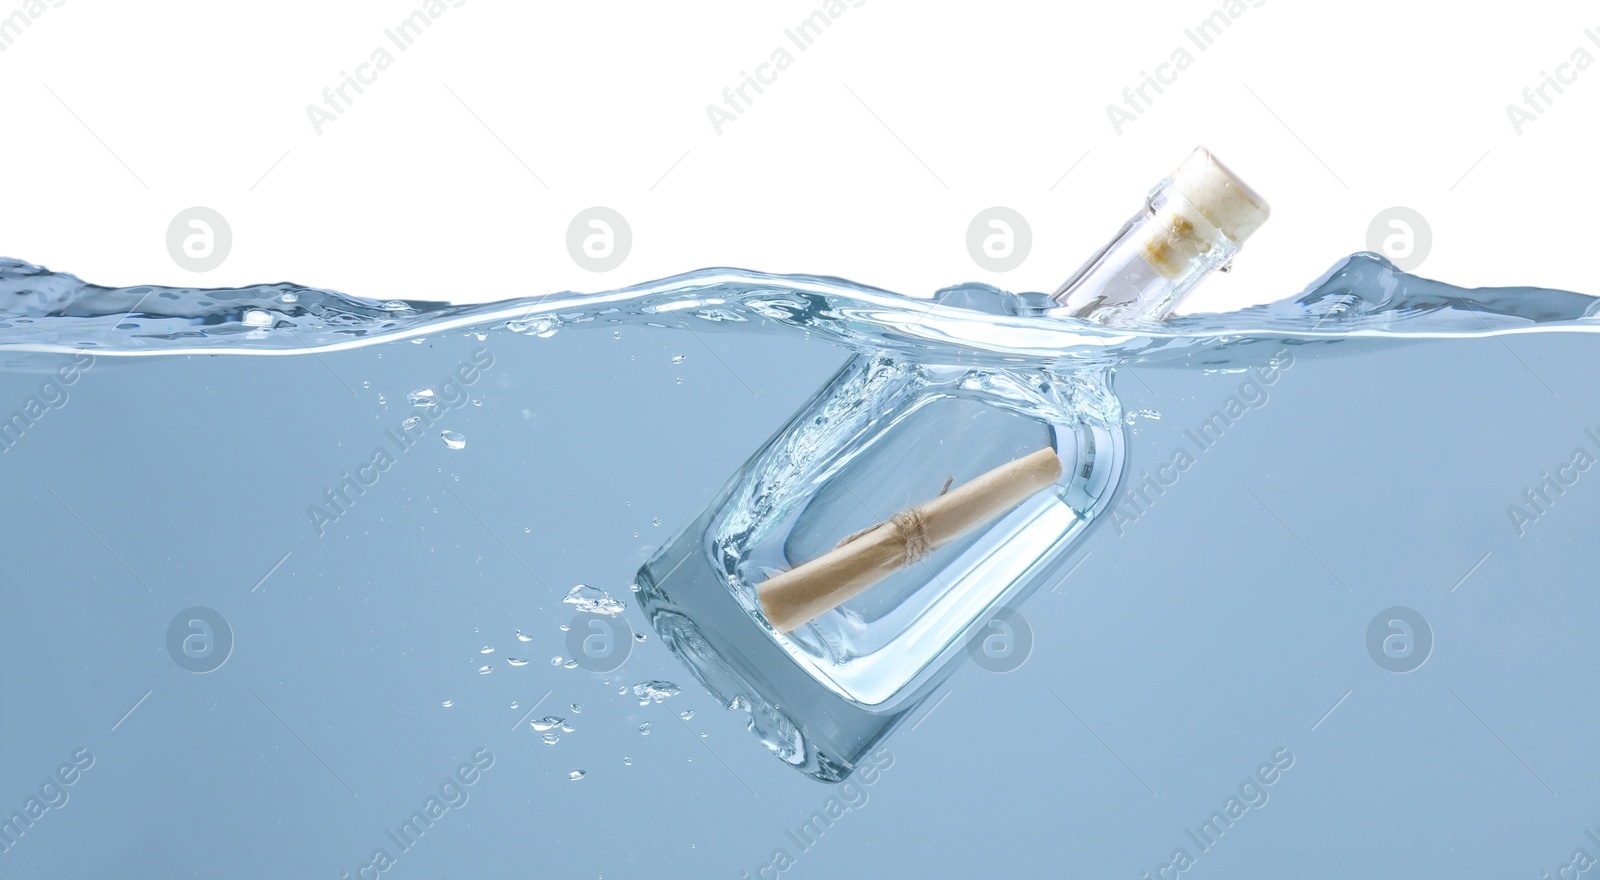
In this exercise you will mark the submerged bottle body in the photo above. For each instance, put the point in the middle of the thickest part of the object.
(884, 435)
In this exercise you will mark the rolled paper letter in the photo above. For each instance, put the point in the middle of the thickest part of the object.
(792, 598)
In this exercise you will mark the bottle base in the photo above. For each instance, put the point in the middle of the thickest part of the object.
(804, 723)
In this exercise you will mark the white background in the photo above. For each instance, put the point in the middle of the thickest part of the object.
(455, 175)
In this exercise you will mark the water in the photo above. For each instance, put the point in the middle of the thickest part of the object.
(1215, 623)
(655, 691)
(593, 600)
(1362, 297)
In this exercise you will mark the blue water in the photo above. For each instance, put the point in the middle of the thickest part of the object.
(1426, 448)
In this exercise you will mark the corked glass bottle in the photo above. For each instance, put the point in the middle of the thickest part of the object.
(1034, 457)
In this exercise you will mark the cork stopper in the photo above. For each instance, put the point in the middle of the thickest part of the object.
(1225, 200)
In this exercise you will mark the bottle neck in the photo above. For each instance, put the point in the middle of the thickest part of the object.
(1150, 266)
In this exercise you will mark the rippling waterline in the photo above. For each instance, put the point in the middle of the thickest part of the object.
(1363, 297)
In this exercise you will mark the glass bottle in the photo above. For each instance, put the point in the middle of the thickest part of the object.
(887, 434)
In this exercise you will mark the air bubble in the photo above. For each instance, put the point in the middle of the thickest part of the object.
(655, 691)
(594, 601)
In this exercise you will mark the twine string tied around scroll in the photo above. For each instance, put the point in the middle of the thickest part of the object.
(910, 525)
